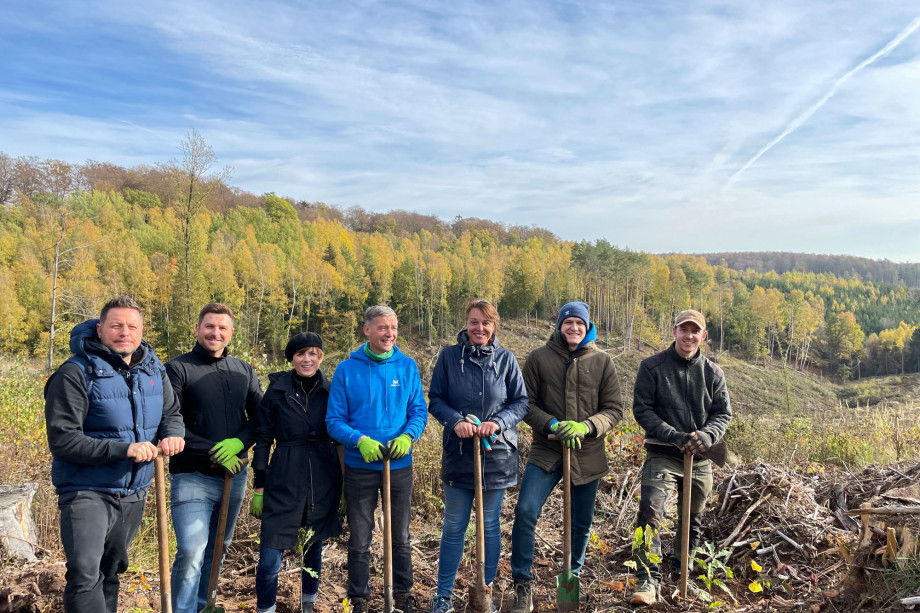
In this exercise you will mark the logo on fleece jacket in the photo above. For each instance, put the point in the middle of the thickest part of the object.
(395, 383)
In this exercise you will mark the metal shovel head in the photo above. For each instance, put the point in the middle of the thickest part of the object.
(568, 591)
(480, 598)
(718, 453)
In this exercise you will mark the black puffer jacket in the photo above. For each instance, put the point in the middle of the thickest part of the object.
(676, 394)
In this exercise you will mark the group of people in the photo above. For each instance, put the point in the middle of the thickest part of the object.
(320, 445)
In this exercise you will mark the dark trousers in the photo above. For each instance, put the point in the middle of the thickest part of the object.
(660, 474)
(361, 492)
(96, 531)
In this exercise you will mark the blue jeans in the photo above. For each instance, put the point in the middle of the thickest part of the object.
(195, 505)
(267, 575)
(458, 504)
(536, 486)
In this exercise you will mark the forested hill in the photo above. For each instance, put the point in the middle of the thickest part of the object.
(878, 271)
(178, 235)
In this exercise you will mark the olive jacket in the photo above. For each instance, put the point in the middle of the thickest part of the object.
(580, 385)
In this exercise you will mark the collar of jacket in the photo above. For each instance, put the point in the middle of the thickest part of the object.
(558, 344)
(93, 346)
(284, 380)
(204, 355)
(672, 350)
(463, 339)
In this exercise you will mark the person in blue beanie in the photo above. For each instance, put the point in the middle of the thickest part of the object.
(376, 406)
(574, 393)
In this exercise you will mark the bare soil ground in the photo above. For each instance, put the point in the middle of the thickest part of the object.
(828, 570)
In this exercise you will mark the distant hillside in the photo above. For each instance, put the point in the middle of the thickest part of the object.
(877, 271)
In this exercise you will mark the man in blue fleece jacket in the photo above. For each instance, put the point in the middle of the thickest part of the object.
(375, 402)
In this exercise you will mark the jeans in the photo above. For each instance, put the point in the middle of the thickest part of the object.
(195, 505)
(660, 474)
(458, 504)
(267, 575)
(96, 531)
(536, 486)
(361, 489)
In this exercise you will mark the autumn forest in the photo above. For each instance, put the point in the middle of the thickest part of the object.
(177, 235)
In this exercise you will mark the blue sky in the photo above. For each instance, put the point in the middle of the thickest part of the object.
(661, 126)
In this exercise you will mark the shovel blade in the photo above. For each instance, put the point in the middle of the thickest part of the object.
(480, 598)
(568, 592)
(718, 453)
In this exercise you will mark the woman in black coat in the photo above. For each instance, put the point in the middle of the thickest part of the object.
(301, 486)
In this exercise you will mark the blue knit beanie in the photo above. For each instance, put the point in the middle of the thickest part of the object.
(573, 309)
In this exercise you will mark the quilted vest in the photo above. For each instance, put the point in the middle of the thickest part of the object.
(126, 406)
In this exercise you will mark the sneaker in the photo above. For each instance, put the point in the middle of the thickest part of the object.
(406, 602)
(523, 596)
(358, 605)
(442, 604)
(646, 594)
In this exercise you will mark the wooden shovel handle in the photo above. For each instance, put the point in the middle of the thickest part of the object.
(685, 523)
(162, 535)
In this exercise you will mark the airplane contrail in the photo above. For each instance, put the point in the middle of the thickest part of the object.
(802, 118)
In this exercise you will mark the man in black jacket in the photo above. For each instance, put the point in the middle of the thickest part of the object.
(681, 402)
(105, 409)
(219, 395)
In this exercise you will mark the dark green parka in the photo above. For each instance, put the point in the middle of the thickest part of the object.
(581, 385)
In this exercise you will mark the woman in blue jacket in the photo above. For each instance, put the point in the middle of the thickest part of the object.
(475, 377)
(296, 494)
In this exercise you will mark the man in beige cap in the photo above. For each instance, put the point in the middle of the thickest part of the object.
(681, 401)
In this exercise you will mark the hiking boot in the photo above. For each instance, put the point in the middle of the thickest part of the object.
(306, 607)
(442, 604)
(358, 605)
(523, 596)
(405, 602)
(646, 594)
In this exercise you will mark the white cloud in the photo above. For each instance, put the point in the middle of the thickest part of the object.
(591, 119)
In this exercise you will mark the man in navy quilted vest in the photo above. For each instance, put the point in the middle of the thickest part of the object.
(107, 410)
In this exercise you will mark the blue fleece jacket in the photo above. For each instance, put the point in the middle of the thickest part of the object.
(377, 399)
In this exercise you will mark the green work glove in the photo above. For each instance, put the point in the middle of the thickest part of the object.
(343, 504)
(232, 466)
(255, 507)
(400, 446)
(226, 449)
(370, 449)
(571, 433)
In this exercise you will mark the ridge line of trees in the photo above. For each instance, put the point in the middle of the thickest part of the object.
(177, 235)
